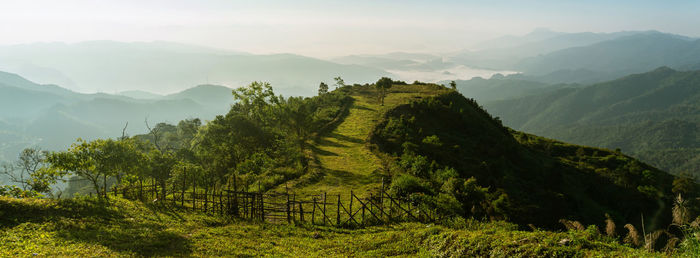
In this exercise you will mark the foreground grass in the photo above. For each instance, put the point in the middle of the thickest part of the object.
(87, 227)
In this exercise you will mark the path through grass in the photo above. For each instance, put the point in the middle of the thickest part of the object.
(346, 161)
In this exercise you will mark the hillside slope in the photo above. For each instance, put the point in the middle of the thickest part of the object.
(524, 182)
(427, 141)
(342, 157)
(126, 229)
(654, 116)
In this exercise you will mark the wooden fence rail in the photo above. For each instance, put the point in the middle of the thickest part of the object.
(378, 207)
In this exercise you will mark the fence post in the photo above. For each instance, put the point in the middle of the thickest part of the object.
(194, 193)
(363, 213)
(253, 207)
(289, 217)
(184, 187)
(313, 212)
(371, 207)
(294, 200)
(324, 208)
(301, 211)
(350, 208)
(337, 223)
(381, 196)
(262, 207)
(228, 197)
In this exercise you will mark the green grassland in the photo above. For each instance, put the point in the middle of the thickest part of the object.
(87, 227)
(343, 159)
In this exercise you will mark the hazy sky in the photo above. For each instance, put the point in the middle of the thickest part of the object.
(330, 28)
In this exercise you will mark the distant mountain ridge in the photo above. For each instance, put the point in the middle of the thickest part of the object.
(618, 57)
(505, 52)
(109, 66)
(653, 115)
(52, 117)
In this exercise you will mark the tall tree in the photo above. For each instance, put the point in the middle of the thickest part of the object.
(298, 119)
(339, 82)
(382, 86)
(453, 85)
(322, 88)
(255, 101)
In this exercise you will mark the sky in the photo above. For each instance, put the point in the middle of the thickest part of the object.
(331, 28)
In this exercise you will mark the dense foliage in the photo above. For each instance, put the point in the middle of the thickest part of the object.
(259, 143)
(474, 166)
(652, 116)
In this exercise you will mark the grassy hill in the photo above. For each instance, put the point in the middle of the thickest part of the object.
(428, 143)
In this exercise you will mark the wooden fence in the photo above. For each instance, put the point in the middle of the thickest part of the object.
(342, 210)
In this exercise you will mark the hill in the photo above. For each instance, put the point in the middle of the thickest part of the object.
(208, 95)
(427, 145)
(652, 115)
(528, 180)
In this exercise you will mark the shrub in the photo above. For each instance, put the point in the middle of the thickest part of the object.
(404, 184)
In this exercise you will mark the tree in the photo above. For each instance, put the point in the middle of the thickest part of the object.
(79, 159)
(339, 83)
(453, 85)
(97, 160)
(322, 88)
(382, 85)
(30, 160)
(31, 172)
(298, 117)
(255, 101)
(161, 164)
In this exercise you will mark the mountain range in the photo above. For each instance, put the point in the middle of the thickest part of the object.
(654, 116)
(52, 117)
(163, 67)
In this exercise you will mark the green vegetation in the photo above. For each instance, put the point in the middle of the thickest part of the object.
(90, 227)
(496, 176)
(652, 116)
(478, 175)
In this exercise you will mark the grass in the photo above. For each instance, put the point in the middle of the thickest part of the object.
(345, 161)
(87, 227)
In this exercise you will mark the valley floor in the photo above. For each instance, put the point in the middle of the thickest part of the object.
(86, 227)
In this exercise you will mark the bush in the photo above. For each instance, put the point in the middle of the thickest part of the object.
(404, 185)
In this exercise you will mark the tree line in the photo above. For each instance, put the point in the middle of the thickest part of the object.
(262, 141)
